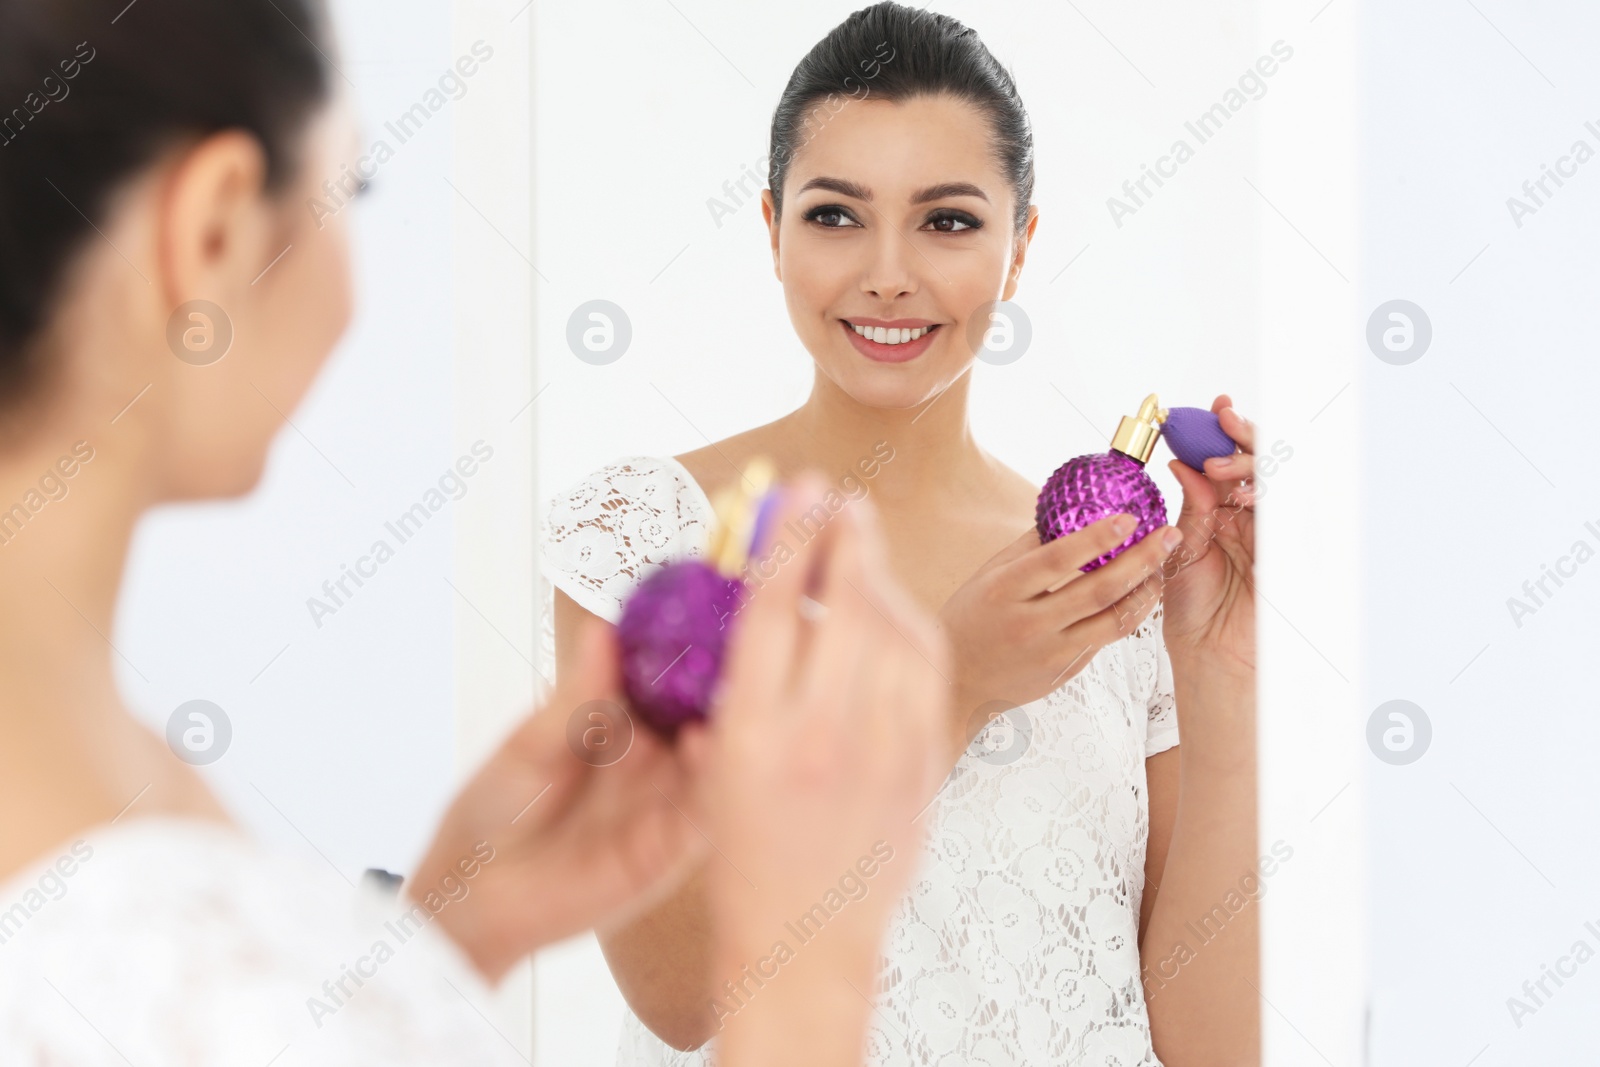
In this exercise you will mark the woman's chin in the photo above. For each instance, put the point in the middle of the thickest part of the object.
(891, 386)
(219, 481)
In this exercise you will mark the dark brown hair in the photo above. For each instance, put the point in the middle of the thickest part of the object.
(893, 52)
(91, 91)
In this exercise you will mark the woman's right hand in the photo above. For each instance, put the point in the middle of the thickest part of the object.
(1029, 619)
(824, 747)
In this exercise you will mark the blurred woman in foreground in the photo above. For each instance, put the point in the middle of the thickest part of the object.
(160, 163)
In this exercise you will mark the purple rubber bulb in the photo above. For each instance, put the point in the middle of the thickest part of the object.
(1089, 488)
(1195, 435)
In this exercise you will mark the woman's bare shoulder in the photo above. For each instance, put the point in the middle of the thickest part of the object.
(718, 464)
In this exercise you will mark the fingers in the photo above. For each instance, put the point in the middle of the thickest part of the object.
(1025, 543)
(648, 773)
(693, 747)
(1119, 620)
(893, 732)
(1201, 496)
(652, 848)
(1236, 425)
(1102, 588)
(914, 627)
(1234, 476)
(1228, 482)
(1050, 566)
(904, 695)
(596, 673)
(540, 741)
(834, 665)
(1236, 467)
(878, 676)
(764, 646)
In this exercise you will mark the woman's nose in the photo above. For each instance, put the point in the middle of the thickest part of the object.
(893, 265)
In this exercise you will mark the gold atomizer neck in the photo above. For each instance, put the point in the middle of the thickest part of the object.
(1136, 437)
(737, 509)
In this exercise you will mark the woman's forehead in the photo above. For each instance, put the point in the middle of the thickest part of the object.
(897, 149)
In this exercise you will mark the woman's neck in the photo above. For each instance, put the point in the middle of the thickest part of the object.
(72, 757)
(932, 442)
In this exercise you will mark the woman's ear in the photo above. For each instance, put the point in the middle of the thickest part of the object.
(1024, 239)
(213, 230)
(770, 214)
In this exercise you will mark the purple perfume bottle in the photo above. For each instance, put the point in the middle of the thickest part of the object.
(675, 626)
(1089, 488)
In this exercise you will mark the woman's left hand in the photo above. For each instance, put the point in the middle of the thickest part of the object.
(559, 831)
(1209, 602)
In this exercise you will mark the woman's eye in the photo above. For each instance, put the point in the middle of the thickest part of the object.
(830, 217)
(953, 222)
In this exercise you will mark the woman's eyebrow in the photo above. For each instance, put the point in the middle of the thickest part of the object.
(856, 190)
(948, 189)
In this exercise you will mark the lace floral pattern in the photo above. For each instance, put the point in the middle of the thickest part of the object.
(180, 942)
(1018, 940)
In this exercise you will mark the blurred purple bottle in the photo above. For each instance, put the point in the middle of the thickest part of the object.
(1090, 488)
(672, 634)
(675, 626)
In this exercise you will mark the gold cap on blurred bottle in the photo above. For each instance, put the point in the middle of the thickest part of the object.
(1136, 437)
(737, 507)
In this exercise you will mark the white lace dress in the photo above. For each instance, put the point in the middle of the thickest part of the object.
(1018, 942)
(181, 943)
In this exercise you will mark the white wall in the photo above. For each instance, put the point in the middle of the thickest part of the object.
(496, 613)
(1311, 754)
(345, 727)
(1477, 474)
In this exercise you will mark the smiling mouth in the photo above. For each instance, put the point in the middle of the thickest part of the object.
(882, 344)
(895, 336)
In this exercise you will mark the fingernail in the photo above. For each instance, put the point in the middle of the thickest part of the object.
(1171, 539)
(1123, 525)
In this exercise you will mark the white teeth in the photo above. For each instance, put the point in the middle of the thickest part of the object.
(885, 336)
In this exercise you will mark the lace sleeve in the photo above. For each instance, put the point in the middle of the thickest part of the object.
(1162, 731)
(607, 533)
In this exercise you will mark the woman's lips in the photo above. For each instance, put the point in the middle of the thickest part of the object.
(900, 353)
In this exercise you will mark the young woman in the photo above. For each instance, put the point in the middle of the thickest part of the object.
(137, 923)
(1070, 851)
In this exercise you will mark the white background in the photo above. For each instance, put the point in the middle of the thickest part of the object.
(1478, 472)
